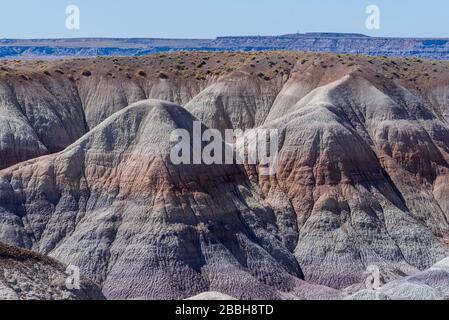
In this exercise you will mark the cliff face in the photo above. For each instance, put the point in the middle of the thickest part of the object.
(361, 179)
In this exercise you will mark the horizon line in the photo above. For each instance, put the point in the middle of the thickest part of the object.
(305, 34)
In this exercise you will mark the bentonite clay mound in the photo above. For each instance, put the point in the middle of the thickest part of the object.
(114, 205)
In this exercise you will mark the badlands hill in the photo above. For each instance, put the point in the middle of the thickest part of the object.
(46, 106)
(113, 204)
(362, 176)
(26, 275)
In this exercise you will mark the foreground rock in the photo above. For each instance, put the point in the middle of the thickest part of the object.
(25, 275)
(431, 284)
(212, 296)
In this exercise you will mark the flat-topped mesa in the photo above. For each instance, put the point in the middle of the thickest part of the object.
(435, 48)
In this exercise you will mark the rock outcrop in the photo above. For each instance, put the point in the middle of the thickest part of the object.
(25, 275)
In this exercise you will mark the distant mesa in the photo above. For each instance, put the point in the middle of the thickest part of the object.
(305, 35)
(354, 43)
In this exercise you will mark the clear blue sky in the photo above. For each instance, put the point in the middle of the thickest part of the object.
(211, 18)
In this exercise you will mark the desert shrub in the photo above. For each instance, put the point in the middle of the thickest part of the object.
(141, 73)
(163, 76)
(201, 64)
(263, 76)
(86, 73)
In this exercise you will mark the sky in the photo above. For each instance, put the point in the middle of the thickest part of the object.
(212, 18)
